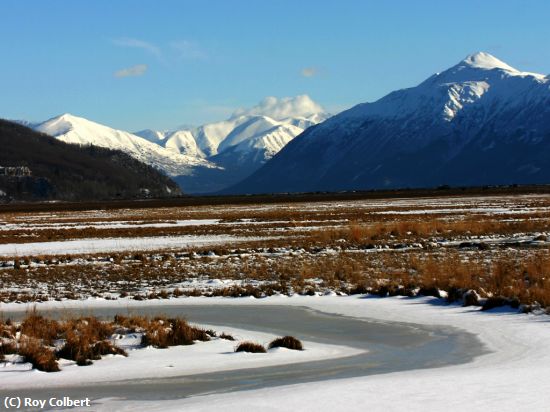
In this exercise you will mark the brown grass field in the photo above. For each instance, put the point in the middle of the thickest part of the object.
(496, 245)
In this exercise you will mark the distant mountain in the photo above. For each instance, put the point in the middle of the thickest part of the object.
(34, 166)
(77, 130)
(481, 122)
(200, 159)
(240, 144)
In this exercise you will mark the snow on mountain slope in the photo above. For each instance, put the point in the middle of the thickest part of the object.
(240, 160)
(77, 130)
(154, 136)
(300, 112)
(444, 94)
(479, 122)
(183, 141)
(269, 142)
(244, 142)
(305, 122)
(482, 60)
(206, 138)
(249, 128)
(214, 138)
(209, 136)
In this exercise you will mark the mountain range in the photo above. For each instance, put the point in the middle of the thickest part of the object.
(481, 122)
(83, 132)
(204, 159)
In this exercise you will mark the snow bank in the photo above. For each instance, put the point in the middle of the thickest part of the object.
(149, 363)
(514, 376)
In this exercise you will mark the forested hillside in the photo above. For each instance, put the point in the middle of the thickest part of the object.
(61, 171)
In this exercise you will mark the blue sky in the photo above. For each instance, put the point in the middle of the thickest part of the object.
(161, 64)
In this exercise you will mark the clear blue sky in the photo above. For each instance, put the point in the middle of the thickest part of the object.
(158, 64)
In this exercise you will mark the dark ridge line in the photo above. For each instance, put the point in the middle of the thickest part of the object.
(274, 198)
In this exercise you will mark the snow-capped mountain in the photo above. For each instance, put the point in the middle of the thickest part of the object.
(300, 112)
(77, 130)
(242, 143)
(183, 141)
(479, 122)
(206, 158)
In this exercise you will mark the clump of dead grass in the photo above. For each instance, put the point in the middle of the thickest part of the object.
(41, 357)
(85, 339)
(226, 336)
(289, 342)
(162, 332)
(250, 347)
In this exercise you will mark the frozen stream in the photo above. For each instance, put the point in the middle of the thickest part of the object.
(392, 347)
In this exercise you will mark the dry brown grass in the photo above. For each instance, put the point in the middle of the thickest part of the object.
(86, 339)
(427, 227)
(132, 323)
(7, 347)
(521, 273)
(250, 347)
(289, 342)
(226, 336)
(40, 356)
(36, 326)
(83, 349)
(163, 332)
(365, 224)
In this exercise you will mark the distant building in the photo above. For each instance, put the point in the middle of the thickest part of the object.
(16, 171)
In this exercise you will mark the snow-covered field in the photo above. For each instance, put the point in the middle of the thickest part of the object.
(495, 245)
(84, 246)
(109, 225)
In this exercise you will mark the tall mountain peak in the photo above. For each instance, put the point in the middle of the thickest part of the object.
(481, 122)
(486, 61)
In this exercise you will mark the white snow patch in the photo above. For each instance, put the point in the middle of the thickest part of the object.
(103, 245)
